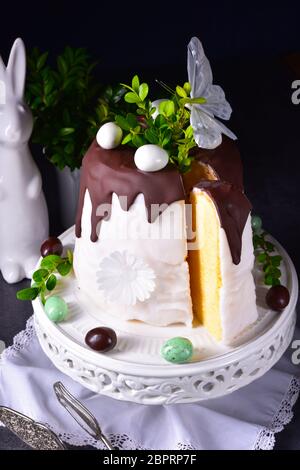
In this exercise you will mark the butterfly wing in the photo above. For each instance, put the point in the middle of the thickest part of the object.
(208, 130)
(201, 80)
(216, 103)
(207, 133)
(199, 70)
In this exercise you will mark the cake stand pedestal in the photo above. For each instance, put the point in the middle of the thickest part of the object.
(134, 371)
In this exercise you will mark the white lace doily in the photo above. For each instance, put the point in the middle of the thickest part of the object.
(252, 416)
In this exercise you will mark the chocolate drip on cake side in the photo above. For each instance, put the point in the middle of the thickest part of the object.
(218, 172)
(233, 208)
(105, 172)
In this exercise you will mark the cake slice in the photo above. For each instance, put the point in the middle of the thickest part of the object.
(221, 260)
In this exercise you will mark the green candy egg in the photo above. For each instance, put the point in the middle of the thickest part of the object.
(56, 308)
(256, 223)
(177, 350)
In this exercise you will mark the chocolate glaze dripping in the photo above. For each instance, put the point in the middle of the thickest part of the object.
(233, 208)
(225, 161)
(105, 172)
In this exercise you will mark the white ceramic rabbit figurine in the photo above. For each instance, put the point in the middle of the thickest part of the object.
(23, 210)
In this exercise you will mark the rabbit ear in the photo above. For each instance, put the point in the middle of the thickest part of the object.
(16, 68)
(2, 81)
(2, 69)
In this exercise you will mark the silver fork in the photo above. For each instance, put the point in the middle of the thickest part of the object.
(81, 414)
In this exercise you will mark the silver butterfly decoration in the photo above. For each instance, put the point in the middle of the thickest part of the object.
(207, 129)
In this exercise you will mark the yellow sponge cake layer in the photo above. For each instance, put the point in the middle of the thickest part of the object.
(204, 263)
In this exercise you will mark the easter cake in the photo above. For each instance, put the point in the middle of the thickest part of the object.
(163, 228)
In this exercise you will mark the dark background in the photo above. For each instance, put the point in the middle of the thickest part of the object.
(249, 45)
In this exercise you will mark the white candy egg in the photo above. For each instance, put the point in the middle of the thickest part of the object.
(109, 135)
(156, 104)
(151, 157)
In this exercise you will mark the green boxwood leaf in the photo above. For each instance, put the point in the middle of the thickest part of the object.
(40, 275)
(30, 293)
(275, 272)
(160, 121)
(64, 268)
(61, 65)
(131, 97)
(41, 61)
(70, 256)
(269, 280)
(269, 246)
(187, 88)
(51, 282)
(262, 257)
(135, 83)
(132, 120)
(66, 131)
(181, 92)
(138, 140)
(69, 148)
(143, 91)
(276, 260)
(189, 133)
(51, 261)
(127, 139)
(151, 136)
(122, 122)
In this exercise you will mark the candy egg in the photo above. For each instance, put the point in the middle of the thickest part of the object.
(256, 223)
(277, 298)
(56, 308)
(101, 339)
(177, 350)
(109, 135)
(151, 157)
(155, 104)
(51, 246)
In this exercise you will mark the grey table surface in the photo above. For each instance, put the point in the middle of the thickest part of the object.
(267, 124)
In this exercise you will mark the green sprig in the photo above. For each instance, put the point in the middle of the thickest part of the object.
(45, 279)
(170, 130)
(271, 263)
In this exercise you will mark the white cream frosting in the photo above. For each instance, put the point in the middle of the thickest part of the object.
(237, 296)
(161, 244)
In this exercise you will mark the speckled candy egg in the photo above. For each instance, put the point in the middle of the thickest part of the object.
(109, 135)
(151, 157)
(56, 308)
(256, 223)
(177, 350)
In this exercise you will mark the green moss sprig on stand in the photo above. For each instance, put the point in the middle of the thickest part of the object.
(264, 250)
(170, 129)
(45, 278)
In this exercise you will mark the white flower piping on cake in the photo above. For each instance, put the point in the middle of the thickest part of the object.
(207, 129)
(125, 279)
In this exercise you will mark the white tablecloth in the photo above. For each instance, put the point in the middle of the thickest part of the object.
(247, 419)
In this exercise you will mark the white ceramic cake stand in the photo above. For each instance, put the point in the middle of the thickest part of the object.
(135, 371)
